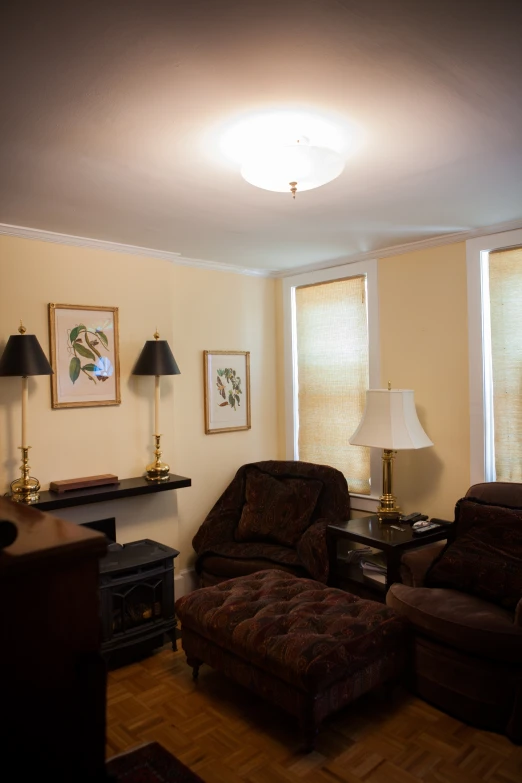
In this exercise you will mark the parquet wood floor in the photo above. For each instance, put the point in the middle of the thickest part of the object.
(228, 735)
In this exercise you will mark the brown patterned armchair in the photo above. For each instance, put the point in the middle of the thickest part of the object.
(464, 602)
(274, 514)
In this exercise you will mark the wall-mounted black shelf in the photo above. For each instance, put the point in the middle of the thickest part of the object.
(126, 488)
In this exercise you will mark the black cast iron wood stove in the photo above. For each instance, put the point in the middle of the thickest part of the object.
(137, 597)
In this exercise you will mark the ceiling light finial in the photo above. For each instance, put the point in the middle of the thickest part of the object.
(293, 188)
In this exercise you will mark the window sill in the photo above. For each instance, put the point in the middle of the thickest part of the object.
(364, 502)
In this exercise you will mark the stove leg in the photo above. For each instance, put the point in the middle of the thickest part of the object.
(172, 637)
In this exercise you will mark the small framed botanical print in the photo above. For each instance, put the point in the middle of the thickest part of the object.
(84, 356)
(227, 391)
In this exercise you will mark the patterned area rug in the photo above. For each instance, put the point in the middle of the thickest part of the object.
(150, 764)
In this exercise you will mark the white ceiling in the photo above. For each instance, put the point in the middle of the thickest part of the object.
(111, 114)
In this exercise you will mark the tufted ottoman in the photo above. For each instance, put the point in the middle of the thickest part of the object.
(304, 646)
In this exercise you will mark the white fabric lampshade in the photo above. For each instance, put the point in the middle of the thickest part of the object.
(390, 421)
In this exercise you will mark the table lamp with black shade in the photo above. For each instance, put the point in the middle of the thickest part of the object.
(390, 423)
(156, 359)
(22, 357)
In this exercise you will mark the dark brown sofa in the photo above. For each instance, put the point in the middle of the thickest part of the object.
(468, 650)
(293, 503)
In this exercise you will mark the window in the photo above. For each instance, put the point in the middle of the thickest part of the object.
(331, 356)
(495, 349)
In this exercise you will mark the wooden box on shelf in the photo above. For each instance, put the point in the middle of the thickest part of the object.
(80, 483)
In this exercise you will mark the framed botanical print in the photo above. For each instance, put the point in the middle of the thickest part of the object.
(227, 391)
(84, 356)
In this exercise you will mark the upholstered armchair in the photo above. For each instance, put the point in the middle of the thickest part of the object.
(274, 514)
(465, 604)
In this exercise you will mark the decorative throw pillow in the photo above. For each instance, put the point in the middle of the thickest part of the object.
(486, 559)
(277, 509)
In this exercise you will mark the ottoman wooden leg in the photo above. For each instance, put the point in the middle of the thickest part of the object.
(309, 729)
(387, 691)
(195, 663)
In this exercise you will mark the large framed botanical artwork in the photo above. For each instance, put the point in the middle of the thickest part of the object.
(227, 391)
(84, 356)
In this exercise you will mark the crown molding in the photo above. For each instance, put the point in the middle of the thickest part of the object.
(408, 247)
(23, 232)
(220, 267)
(97, 244)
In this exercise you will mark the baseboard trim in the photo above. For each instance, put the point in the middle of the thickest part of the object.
(186, 581)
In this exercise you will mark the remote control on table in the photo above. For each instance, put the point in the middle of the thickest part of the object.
(419, 528)
(416, 515)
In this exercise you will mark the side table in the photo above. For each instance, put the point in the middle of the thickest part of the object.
(369, 531)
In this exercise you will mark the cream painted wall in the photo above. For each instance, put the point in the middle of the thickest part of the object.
(218, 311)
(194, 309)
(424, 346)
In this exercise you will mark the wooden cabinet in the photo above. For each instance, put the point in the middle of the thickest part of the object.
(52, 686)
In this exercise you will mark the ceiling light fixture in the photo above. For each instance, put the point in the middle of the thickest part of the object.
(292, 167)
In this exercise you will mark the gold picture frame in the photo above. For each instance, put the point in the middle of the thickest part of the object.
(227, 391)
(84, 342)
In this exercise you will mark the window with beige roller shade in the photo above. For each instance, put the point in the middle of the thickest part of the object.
(333, 375)
(505, 301)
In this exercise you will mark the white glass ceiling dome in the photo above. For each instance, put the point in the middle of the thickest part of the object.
(292, 167)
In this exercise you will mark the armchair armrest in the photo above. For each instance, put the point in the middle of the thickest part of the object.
(313, 551)
(220, 523)
(218, 528)
(415, 564)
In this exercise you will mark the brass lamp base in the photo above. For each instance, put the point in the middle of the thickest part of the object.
(388, 510)
(27, 488)
(388, 514)
(157, 470)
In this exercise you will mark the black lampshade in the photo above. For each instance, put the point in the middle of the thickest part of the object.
(24, 356)
(156, 358)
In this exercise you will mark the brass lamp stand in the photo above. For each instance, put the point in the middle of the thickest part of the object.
(156, 359)
(27, 488)
(157, 470)
(388, 510)
(23, 356)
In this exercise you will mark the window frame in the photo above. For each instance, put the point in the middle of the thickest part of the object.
(290, 283)
(482, 434)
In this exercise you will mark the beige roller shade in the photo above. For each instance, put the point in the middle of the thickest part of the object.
(505, 290)
(332, 375)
